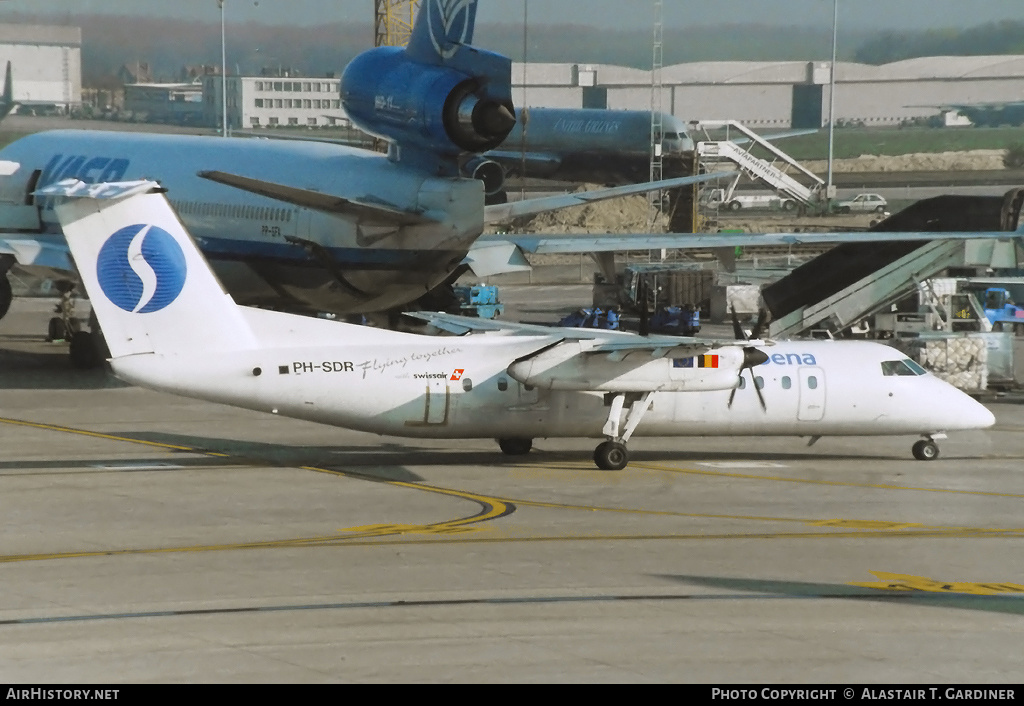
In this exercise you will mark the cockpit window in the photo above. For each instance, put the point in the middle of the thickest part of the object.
(902, 367)
(915, 367)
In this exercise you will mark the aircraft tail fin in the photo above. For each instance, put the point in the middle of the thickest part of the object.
(7, 103)
(441, 29)
(145, 276)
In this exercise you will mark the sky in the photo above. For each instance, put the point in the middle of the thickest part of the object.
(884, 14)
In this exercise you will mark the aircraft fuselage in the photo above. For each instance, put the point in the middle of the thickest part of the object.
(610, 147)
(460, 387)
(268, 252)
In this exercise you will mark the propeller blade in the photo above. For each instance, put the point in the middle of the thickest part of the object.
(760, 397)
(737, 330)
(762, 323)
(733, 393)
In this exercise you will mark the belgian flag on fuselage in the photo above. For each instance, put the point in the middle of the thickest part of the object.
(700, 361)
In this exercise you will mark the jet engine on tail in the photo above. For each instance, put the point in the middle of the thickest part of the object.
(438, 97)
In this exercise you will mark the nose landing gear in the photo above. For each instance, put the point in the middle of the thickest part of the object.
(926, 449)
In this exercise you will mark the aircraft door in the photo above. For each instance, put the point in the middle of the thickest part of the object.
(812, 394)
(437, 403)
(304, 223)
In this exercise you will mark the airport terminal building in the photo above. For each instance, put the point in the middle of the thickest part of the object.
(779, 94)
(274, 101)
(46, 64)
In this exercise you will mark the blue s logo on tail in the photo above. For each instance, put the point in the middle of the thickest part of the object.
(141, 268)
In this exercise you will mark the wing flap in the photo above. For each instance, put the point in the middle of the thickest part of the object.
(367, 213)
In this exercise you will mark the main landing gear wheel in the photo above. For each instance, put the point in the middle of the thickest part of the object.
(56, 330)
(926, 450)
(515, 447)
(6, 295)
(83, 351)
(611, 456)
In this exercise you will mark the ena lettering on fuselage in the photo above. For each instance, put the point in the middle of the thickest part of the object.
(792, 359)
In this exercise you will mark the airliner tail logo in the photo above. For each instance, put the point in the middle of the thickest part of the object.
(449, 25)
(141, 268)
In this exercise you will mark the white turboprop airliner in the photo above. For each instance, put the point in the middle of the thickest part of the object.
(171, 326)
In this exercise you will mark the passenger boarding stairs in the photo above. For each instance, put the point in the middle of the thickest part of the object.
(873, 293)
(770, 173)
(852, 281)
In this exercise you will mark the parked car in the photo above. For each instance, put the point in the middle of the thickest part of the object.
(863, 203)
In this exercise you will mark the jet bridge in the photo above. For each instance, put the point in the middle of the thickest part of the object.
(852, 281)
(772, 173)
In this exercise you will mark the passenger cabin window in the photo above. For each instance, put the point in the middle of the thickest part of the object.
(901, 367)
(786, 382)
(812, 382)
(502, 384)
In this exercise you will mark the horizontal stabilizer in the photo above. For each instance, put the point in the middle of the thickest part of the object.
(110, 191)
(367, 213)
(497, 257)
(506, 211)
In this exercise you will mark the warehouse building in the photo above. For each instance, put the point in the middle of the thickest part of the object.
(46, 64)
(780, 94)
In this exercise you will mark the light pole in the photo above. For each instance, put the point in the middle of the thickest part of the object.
(223, 74)
(830, 189)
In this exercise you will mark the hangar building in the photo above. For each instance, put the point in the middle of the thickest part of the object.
(780, 93)
(46, 63)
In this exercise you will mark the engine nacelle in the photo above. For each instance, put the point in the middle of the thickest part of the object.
(571, 366)
(487, 171)
(434, 108)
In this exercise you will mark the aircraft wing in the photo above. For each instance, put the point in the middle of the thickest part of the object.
(371, 213)
(587, 243)
(506, 211)
(615, 344)
(38, 251)
(461, 325)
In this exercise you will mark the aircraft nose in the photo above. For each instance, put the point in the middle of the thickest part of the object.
(965, 412)
(977, 416)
